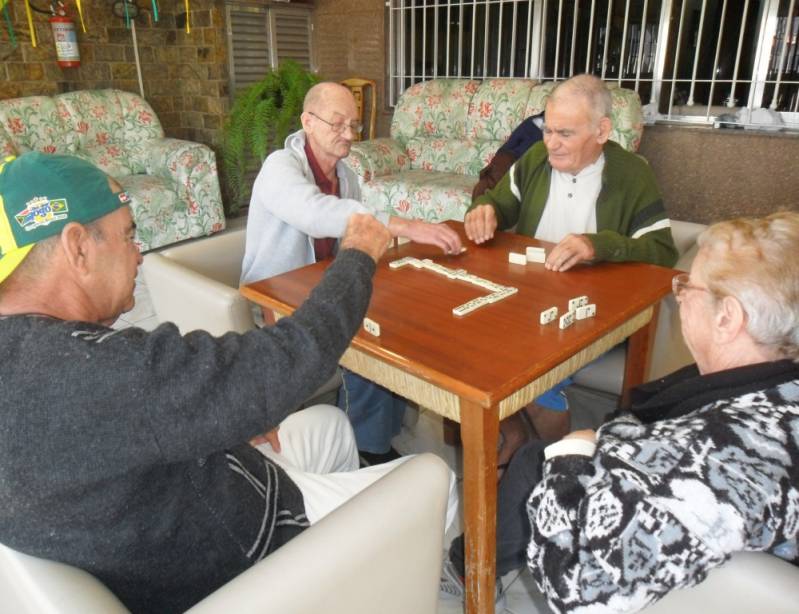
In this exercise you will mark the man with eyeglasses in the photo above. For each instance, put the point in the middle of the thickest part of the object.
(300, 204)
(703, 465)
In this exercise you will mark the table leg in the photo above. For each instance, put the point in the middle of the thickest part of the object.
(639, 355)
(479, 432)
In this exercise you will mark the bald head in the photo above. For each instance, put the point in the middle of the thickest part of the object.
(587, 90)
(325, 95)
(330, 122)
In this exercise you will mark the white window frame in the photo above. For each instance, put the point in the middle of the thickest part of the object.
(532, 30)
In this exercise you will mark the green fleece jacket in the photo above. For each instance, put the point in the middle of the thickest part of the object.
(632, 224)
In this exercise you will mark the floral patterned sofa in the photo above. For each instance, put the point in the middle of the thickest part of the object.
(445, 130)
(173, 184)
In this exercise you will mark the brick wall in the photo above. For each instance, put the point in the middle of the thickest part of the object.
(184, 75)
(350, 42)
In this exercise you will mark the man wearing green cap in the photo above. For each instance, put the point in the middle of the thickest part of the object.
(121, 452)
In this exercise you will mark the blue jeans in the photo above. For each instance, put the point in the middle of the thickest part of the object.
(374, 412)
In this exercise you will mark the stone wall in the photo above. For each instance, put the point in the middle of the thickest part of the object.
(707, 175)
(184, 75)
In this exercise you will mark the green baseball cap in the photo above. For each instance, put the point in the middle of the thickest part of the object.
(41, 193)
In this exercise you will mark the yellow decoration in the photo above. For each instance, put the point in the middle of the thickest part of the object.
(2, 4)
(80, 14)
(188, 27)
(30, 23)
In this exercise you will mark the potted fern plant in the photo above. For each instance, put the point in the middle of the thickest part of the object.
(261, 118)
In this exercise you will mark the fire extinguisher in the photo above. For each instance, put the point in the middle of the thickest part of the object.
(65, 37)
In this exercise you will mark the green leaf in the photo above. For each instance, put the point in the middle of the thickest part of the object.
(260, 119)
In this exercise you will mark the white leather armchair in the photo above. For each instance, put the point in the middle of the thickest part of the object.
(379, 552)
(196, 286)
(748, 582)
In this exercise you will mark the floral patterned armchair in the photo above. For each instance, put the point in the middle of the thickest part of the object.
(445, 130)
(173, 184)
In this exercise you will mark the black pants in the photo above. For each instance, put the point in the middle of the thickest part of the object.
(513, 524)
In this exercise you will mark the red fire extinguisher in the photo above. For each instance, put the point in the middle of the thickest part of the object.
(66, 39)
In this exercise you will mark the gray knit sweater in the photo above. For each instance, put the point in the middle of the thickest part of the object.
(121, 451)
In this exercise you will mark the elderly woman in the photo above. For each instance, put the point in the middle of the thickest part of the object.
(705, 464)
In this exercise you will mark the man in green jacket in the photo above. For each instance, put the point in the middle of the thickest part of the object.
(588, 195)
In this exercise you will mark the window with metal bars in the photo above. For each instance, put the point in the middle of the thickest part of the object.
(691, 60)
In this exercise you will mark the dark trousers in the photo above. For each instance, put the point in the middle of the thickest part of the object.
(513, 524)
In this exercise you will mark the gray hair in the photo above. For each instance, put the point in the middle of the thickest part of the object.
(756, 260)
(591, 89)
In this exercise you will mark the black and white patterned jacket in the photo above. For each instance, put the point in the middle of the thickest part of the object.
(702, 467)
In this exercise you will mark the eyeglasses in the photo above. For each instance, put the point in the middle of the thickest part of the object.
(682, 283)
(340, 127)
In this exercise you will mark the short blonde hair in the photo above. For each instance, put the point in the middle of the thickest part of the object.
(756, 260)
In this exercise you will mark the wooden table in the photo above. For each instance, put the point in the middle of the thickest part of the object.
(482, 367)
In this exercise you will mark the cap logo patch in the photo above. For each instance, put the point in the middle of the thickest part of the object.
(41, 211)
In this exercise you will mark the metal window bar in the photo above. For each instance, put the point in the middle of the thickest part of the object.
(485, 40)
(676, 59)
(787, 31)
(542, 40)
(575, 21)
(557, 40)
(499, 37)
(512, 70)
(607, 39)
(622, 64)
(590, 37)
(696, 55)
(549, 46)
(529, 40)
(461, 17)
(435, 41)
(424, 41)
(768, 29)
(716, 59)
(641, 45)
(446, 68)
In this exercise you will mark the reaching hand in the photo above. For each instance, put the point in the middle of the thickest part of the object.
(480, 223)
(571, 250)
(418, 231)
(365, 233)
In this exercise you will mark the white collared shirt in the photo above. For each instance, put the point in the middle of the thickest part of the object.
(571, 204)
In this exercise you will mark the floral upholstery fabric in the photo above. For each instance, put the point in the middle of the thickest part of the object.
(445, 130)
(497, 108)
(34, 124)
(421, 195)
(173, 184)
(378, 157)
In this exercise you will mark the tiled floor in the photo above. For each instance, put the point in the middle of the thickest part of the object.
(422, 432)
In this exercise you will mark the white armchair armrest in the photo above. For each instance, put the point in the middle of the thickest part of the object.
(379, 552)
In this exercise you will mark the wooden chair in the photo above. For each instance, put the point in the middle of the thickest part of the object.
(358, 87)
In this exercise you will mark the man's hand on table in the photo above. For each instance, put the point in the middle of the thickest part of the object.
(427, 233)
(269, 437)
(571, 250)
(481, 223)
